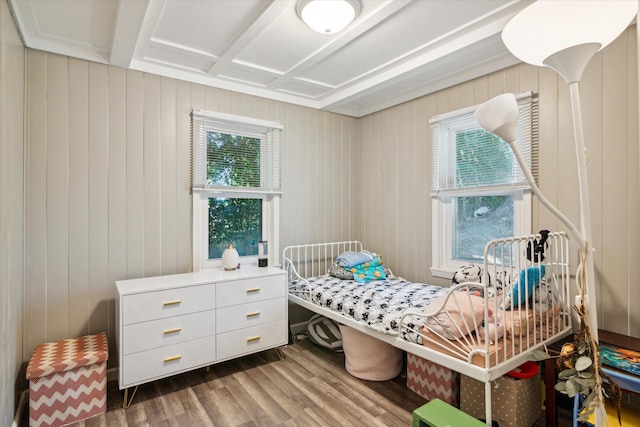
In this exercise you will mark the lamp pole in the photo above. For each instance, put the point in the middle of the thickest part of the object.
(570, 63)
(585, 211)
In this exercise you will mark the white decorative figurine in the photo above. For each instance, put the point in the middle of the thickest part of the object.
(230, 258)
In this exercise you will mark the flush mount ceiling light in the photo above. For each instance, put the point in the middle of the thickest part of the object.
(328, 16)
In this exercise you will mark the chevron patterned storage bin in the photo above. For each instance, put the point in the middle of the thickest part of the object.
(68, 381)
(432, 381)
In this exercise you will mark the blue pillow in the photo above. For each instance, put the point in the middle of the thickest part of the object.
(522, 289)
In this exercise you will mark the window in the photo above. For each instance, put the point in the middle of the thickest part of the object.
(478, 191)
(236, 186)
(236, 220)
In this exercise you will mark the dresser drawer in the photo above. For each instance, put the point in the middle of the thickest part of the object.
(167, 303)
(161, 362)
(250, 290)
(250, 340)
(252, 314)
(172, 330)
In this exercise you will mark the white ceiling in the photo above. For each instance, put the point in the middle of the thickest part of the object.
(395, 50)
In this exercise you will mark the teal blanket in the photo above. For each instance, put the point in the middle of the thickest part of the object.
(368, 271)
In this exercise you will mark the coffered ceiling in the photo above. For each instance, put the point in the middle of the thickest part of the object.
(394, 51)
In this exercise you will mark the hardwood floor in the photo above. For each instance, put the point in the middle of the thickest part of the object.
(310, 387)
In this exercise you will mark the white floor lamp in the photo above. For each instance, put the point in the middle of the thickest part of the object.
(564, 36)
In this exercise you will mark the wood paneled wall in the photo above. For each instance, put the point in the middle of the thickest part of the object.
(107, 179)
(12, 86)
(393, 201)
(108, 184)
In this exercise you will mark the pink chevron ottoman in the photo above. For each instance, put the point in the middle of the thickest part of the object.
(68, 381)
(432, 381)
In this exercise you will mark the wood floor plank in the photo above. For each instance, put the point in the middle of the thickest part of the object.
(252, 405)
(295, 398)
(374, 403)
(155, 410)
(136, 416)
(172, 403)
(284, 399)
(317, 390)
(203, 393)
(330, 399)
(309, 388)
(194, 409)
(326, 418)
(389, 419)
(223, 409)
(116, 418)
(303, 419)
(188, 419)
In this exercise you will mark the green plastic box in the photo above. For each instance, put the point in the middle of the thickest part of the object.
(437, 413)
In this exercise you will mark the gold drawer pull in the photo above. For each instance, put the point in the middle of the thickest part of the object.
(172, 330)
(172, 358)
(174, 302)
(255, 313)
(253, 290)
(256, 338)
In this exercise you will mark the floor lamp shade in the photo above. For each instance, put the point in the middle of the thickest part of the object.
(547, 27)
(499, 116)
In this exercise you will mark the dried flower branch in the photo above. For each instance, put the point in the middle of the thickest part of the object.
(579, 366)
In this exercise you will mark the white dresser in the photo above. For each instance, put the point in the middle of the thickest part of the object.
(171, 324)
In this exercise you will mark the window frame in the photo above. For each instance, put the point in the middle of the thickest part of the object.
(270, 210)
(270, 196)
(443, 264)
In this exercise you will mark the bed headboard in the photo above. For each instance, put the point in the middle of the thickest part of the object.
(314, 259)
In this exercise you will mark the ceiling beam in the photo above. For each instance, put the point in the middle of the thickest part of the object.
(126, 30)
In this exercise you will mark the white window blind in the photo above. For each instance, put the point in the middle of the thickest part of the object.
(234, 153)
(464, 156)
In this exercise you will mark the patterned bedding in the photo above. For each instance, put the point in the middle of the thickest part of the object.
(379, 305)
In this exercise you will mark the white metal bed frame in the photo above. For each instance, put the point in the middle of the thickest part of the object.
(508, 257)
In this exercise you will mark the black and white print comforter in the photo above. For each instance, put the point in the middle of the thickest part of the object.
(379, 305)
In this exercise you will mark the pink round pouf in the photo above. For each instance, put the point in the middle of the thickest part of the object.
(368, 358)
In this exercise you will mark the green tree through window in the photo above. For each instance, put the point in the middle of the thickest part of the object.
(234, 161)
(235, 221)
(236, 186)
